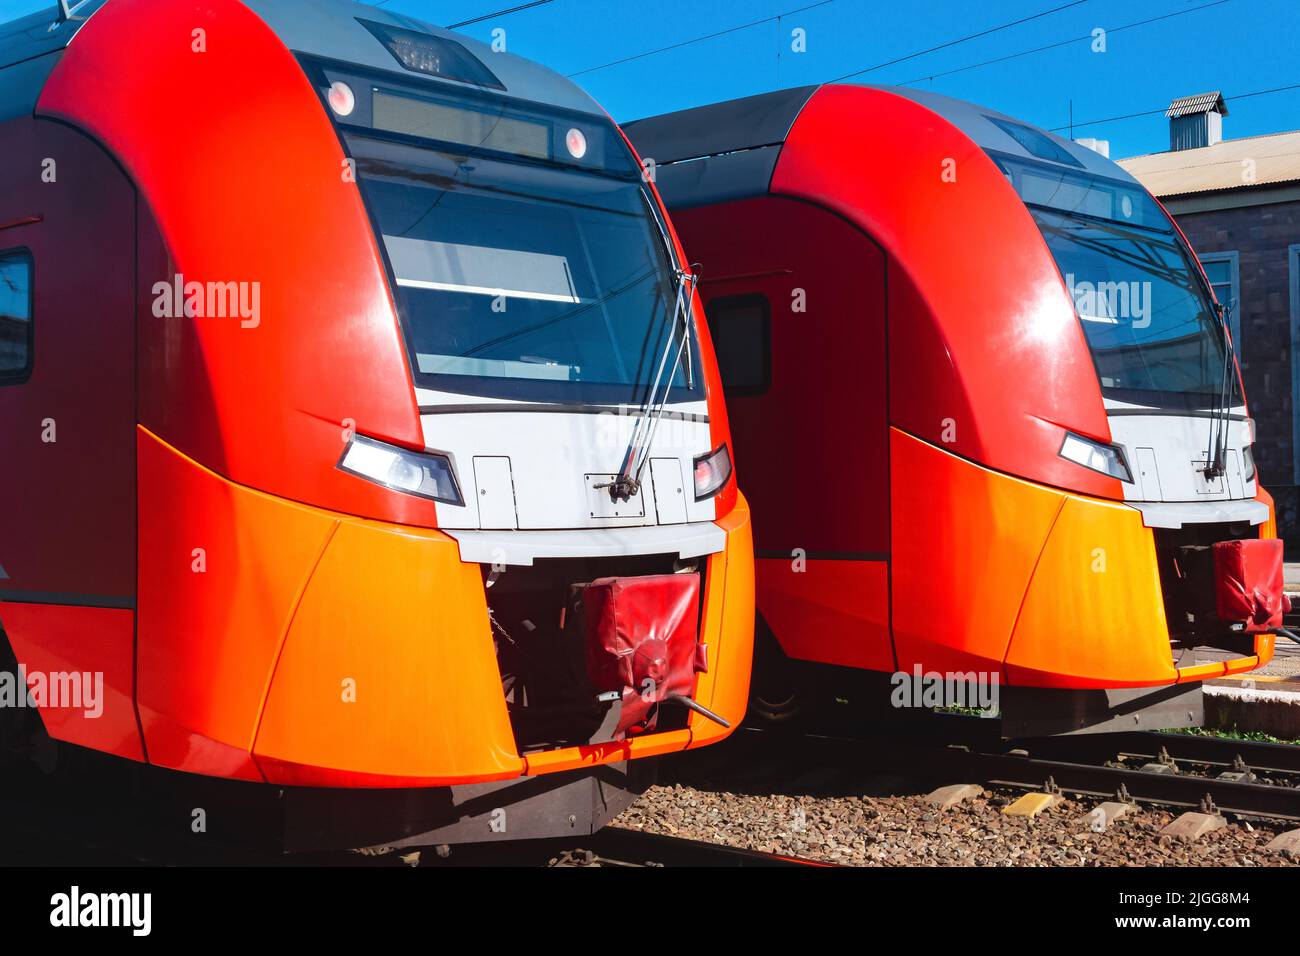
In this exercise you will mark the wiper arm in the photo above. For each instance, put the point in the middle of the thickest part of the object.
(1216, 451)
(628, 482)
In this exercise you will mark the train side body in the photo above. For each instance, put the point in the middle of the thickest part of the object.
(257, 612)
(926, 364)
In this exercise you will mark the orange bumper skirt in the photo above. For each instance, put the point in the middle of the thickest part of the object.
(285, 643)
(1044, 587)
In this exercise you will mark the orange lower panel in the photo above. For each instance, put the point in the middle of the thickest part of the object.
(1047, 588)
(728, 629)
(317, 649)
(305, 647)
(1199, 672)
(965, 542)
(830, 612)
(1093, 615)
(82, 657)
(389, 671)
(220, 570)
(1269, 528)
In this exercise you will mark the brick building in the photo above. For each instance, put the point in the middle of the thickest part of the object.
(1238, 201)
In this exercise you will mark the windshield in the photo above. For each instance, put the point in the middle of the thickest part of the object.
(520, 278)
(1155, 337)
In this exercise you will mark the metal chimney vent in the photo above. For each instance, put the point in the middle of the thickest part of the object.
(1196, 121)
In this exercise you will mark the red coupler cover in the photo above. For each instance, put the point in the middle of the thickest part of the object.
(1248, 583)
(642, 635)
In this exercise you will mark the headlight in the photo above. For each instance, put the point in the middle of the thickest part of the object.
(414, 473)
(1106, 459)
(711, 472)
(1248, 458)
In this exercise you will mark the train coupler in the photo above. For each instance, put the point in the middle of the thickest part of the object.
(642, 643)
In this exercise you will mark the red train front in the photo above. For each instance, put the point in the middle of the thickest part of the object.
(983, 394)
(346, 363)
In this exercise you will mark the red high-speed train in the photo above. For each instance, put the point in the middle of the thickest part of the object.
(361, 429)
(990, 417)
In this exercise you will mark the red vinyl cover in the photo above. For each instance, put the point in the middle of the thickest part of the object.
(1248, 583)
(642, 639)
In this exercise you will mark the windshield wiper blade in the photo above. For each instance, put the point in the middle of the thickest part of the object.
(628, 481)
(1216, 450)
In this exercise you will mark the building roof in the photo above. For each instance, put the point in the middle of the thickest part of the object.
(1200, 103)
(1275, 159)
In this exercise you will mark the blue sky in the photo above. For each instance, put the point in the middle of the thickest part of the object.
(1237, 46)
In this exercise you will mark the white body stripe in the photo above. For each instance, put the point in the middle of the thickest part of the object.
(1166, 452)
(554, 460)
(524, 547)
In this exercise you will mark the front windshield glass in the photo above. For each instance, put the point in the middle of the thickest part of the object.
(1155, 337)
(523, 279)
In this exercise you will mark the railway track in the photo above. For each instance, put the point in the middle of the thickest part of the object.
(1249, 778)
(615, 846)
(1246, 778)
(43, 826)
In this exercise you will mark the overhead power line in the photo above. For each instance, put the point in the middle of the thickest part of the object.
(1115, 119)
(952, 43)
(486, 16)
(1061, 43)
(707, 36)
(499, 13)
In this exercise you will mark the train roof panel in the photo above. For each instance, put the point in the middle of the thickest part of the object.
(753, 121)
(332, 29)
(729, 150)
(720, 152)
(41, 32)
(989, 130)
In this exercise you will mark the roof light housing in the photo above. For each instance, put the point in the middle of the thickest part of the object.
(432, 55)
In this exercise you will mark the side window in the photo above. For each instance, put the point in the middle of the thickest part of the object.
(15, 316)
(741, 327)
(1221, 268)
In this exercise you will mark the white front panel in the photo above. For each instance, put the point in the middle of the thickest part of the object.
(669, 490)
(496, 493)
(1148, 475)
(555, 457)
(524, 547)
(1166, 451)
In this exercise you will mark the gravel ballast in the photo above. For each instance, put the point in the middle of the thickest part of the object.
(907, 831)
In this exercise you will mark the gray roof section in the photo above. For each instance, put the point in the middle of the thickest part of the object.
(329, 28)
(762, 120)
(729, 150)
(41, 32)
(29, 49)
(974, 121)
(325, 28)
(720, 152)
(715, 179)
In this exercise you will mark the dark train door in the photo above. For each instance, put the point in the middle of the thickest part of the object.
(796, 302)
(67, 418)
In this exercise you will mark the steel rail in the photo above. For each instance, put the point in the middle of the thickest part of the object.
(1171, 789)
(617, 844)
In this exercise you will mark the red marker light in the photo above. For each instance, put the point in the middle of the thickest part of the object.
(342, 100)
(577, 143)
